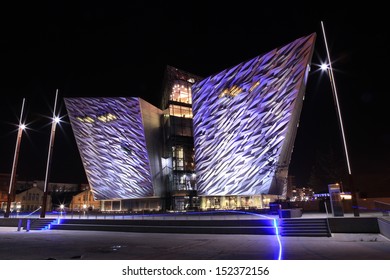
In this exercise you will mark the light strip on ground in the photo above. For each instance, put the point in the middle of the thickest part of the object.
(278, 237)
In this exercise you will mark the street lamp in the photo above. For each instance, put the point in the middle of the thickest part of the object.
(329, 69)
(55, 120)
(11, 190)
(62, 206)
(324, 67)
(84, 208)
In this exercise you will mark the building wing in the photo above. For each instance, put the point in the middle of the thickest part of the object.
(111, 140)
(245, 122)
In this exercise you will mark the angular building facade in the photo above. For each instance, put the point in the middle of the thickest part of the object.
(222, 142)
(118, 144)
(245, 122)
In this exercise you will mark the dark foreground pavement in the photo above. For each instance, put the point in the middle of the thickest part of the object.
(98, 245)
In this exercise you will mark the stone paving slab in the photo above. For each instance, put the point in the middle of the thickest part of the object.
(93, 245)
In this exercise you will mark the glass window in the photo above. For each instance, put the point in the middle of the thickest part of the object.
(180, 111)
(181, 127)
(181, 92)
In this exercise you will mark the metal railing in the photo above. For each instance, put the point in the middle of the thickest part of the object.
(327, 219)
(32, 213)
(382, 207)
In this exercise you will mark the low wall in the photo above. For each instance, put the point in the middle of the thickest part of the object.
(384, 227)
(11, 222)
(354, 225)
(369, 203)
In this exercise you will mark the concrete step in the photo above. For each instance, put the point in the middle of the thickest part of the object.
(265, 230)
(39, 224)
(307, 234)
(205, 223)
(304, 227)
(286, 227)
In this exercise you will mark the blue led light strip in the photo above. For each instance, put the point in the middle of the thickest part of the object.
(278, 237)
(275, 223)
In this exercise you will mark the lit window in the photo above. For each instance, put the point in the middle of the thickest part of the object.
(181, 92)
(180, 111)
(107, 117)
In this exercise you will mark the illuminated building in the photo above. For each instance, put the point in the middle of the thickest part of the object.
(4, 186)
(234, 153)
(179, 165)
(119, 144)
(245, 122)
(302, 194)
(29, 200)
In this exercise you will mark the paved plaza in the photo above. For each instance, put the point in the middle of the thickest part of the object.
(100, 245)
(107, 245)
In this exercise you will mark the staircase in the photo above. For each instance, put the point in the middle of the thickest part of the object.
(258, 226)
(304, 227)
(39, 224)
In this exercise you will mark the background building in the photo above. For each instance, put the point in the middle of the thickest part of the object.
(84, 201)
(30, 200)
(4, 187)
(302, 194)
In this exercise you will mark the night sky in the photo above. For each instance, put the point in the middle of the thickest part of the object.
(96, 48)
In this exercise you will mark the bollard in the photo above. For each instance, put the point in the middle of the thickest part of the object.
(28, 225)
(19, 224)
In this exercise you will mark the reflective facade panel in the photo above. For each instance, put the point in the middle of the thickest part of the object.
(245, 122)
(110, 135)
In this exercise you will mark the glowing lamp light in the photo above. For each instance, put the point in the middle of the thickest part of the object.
(62, 206)
(22, 126)
(56, 119)
(346, 196)
(324, 67)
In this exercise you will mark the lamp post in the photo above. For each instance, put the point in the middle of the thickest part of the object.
(329, 69)
(55, 120)
(84, 208)
(62, 206)
(11, 190)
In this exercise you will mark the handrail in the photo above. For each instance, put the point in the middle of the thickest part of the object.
(383, 203)
(383, 207)
(33, 211)
(327, 219)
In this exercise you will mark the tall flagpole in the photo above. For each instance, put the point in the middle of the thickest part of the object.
(355, 206)
(55, 120)
(11, 190)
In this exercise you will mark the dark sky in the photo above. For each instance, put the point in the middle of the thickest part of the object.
(96, 48)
